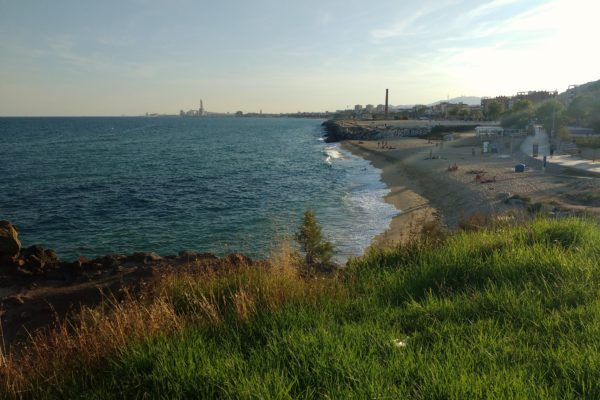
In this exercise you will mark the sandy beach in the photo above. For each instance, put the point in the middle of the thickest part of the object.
(423, 189)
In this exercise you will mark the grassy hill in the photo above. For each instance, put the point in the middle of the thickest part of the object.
(511, 311)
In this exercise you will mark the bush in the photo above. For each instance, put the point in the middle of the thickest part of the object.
(319, 253)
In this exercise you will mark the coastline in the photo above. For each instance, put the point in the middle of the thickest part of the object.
(424, 189)
(413, 209)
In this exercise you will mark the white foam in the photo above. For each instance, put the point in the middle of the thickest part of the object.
(333, 153)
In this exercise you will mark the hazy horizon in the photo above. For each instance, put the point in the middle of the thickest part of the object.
(127, 58)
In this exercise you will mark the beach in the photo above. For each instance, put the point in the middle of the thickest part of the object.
(424, 188)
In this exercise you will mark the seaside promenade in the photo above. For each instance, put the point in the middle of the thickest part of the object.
(564, 160)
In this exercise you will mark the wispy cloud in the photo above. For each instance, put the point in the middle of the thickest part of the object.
(406, 25)
(488, 8)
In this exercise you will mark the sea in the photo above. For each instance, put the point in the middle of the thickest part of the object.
(117, 185)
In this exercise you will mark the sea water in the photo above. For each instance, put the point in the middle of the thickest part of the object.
(95, 186)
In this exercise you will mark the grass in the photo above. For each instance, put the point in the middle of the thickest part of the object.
(507, 311)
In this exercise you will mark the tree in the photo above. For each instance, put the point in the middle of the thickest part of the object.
(580, 109)
(319, 253)
(523, 106)
(551, 115)
(495, 109)
(516, 120)
(476, 115)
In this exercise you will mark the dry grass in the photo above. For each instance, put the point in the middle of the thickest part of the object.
(85, 338)
(178, 299)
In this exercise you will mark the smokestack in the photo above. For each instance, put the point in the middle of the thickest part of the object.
(387, 92)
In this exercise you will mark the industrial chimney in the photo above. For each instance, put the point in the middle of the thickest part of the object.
(387, 91)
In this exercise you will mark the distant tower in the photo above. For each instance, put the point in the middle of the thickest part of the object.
(201, 110)
(387, 92)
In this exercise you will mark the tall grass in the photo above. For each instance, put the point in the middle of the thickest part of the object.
(507, 311)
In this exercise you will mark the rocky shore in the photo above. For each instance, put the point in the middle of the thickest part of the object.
(336, 131)
(36, 287)
(340, 130)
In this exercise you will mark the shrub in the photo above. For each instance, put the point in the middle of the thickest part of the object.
(319, 253)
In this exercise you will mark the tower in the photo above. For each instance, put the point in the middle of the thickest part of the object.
(387, 91)
(201, 109)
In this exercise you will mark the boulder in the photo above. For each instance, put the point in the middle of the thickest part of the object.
(111, 261)
(9, 241)
(237, 259)
(51, 256)
(36, 259)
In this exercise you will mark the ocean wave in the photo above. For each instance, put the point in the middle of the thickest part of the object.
(332, 154)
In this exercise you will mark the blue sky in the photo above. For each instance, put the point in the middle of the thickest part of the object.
(135, 56)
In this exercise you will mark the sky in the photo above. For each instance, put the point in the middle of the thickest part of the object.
(129, 57)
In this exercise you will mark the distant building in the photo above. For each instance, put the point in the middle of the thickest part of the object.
(486, 101)
(358, 108)
(369, 108)
(380, 109)
(200, 112)
(535, 96)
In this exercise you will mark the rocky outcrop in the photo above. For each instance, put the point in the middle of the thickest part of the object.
(336, 132)
(10, 246)
(36, 287)
(35, 259)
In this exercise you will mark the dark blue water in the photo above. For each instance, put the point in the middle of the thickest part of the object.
(93, 186)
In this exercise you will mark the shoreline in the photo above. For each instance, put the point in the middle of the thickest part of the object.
(413, 209)
(424, 189)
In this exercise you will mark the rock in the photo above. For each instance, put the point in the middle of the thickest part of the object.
(193, 256)
(110, 261)
(51, 256)
(34, 251)
(34, 263)
(9, 241)
(237, 259)
(36, 259)
(146, 258)
(207, 256)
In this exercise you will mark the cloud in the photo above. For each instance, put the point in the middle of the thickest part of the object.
(407, 24)
(487, 8)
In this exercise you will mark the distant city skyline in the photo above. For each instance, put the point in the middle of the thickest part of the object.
(136, 56)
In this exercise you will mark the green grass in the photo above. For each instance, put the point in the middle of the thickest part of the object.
(505, 312)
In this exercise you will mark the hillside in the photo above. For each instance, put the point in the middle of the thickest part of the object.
(591, 89)
(583, 105)
(511, 311)
(468, 100)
